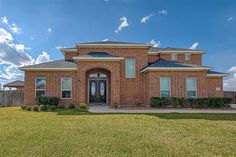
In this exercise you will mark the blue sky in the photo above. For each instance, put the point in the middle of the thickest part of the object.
(31, 31)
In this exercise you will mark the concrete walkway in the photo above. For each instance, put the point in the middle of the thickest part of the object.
(107, 109)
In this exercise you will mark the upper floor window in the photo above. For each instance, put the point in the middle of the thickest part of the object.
(40, 86)
(66, 87)
(165, 87)
(174, 56)
(130, 68)
(191, 87)
(187, 57)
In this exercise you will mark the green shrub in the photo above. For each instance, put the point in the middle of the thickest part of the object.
(138, 104)
(43, 108)
(36, 108)
(83, 106)
(191, 102)
(71, 106)
(160, 101)
(28, 108)
(52, 108)
(115, 105)
(23, 107)
(48, 100)
(61, 106)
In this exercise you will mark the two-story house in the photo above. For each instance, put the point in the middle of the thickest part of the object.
(122, 72)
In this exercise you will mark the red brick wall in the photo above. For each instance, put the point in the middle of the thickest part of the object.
(213, 84)
(153, 58)
(53, 85)
(70, 55)
(195, 58)
(178, 83)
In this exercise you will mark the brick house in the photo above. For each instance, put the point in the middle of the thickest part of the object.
(122, 72)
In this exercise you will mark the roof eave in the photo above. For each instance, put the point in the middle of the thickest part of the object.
(64, 50)
(217, 75)
(48, 69)
(98, 58)
(115, 45)
(174, 69)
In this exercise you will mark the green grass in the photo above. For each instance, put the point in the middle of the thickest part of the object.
(77, 133)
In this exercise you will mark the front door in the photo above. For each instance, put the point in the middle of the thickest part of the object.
(97, 91)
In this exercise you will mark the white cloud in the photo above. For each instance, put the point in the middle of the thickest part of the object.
(31, 38)
(49, 29)
(13, 55)
(194, 46)
(162, 12)
(146, 18)
(106, 39)
(13, 27)
(230, 19)
(4, 20)
(123, 23)
(230, 83)
(155, 43)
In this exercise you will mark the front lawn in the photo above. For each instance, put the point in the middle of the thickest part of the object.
(76, 133)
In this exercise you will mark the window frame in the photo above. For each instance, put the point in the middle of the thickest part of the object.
(176, 56)
(128, 77)
(191, 89)
(67, 89)
(166, 89)
(35, 90)
(187, 54)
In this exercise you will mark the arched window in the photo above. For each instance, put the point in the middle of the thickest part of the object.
(98, 75)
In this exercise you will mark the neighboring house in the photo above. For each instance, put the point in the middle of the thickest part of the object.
(122, 72)
(18, 85)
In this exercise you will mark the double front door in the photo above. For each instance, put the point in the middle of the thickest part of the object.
(97, 91)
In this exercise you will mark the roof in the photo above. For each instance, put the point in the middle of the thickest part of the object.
(163, 64)
(114, 44)
(98, 54)
(53, 65)
(172, 49)
(215, 73)
(16, 83)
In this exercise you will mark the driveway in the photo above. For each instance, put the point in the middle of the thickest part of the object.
(107, 109)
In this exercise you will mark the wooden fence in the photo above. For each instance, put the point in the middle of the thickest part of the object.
(229, 94)
(11, 98)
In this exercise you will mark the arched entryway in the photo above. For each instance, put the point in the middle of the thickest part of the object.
(98, 87)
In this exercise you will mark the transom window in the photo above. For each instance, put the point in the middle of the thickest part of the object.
(66, 88)
(187, 57)
(130, 68)
(40, 86)
(174, 56)
(99, 74)
(191, 87)
(165, 87)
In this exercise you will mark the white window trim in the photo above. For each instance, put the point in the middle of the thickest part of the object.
(66, 89)
(187, 54)
(165, 89)
(35, 90)
(173, 55)
(191, 89)
(134, 69)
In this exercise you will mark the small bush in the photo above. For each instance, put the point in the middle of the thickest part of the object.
(83, 106)
(23, 107)
(36, 108)
(138, 104)
(28, 108)
(52, 108)
(48, 100)
(71, 106)
(191, 102)
(43, 108)
(115, 105)
(61, 106)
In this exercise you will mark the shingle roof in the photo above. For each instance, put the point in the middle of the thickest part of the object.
(16, 83)
(167, 64)
(215, 72)
(112, 42)
(155, 49)
(58, 64)
(98, 54)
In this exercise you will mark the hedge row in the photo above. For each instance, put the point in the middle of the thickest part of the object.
(48, 100)
(190, 102)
